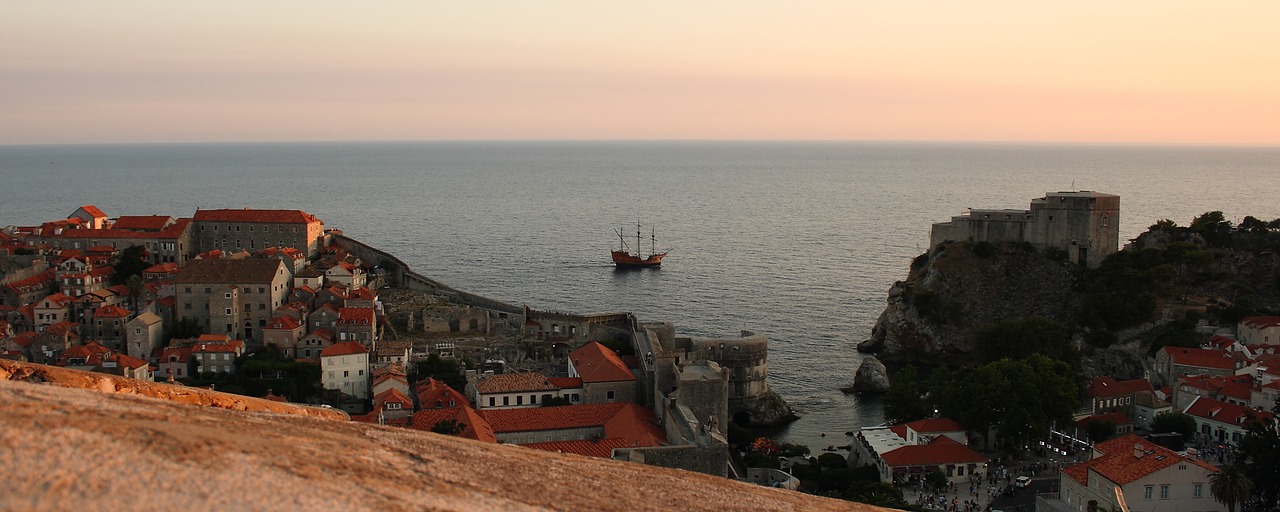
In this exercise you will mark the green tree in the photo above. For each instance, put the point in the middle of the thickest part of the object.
(131, 263)
(1175, 422)
(448, 427)
(1258, 455)
(136, 288)
(1019, 338)
(1231, 487)
(443, 370)
(1021, 400)
(880, 494)
(905, 401)
(186, 328)
(1100, 430)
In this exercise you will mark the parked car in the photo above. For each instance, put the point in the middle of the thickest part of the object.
(1022, 481)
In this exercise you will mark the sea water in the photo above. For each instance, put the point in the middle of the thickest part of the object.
(795, 240)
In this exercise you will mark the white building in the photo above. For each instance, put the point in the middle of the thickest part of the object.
(1260, 330)
(1146, 477)
(345, 367)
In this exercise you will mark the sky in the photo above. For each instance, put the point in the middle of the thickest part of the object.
(1138, 71)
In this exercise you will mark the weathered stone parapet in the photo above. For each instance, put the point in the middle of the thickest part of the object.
(39, 373)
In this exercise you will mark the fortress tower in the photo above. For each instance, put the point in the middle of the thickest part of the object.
(1084, 224)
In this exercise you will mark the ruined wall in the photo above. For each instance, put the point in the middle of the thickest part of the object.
(711, 460)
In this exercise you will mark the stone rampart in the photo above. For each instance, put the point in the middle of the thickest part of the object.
(405, 277)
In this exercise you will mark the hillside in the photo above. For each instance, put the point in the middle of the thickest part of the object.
(104, 444)
(1171, 286)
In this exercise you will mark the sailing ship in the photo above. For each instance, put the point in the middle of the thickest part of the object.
(624, 258)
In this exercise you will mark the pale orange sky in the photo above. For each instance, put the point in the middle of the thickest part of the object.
(163, 71)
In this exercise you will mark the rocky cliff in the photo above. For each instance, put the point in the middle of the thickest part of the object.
(76, 441)
(951, 291)
(1171, 285)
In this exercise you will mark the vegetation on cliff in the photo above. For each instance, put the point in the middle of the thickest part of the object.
(1009, 325)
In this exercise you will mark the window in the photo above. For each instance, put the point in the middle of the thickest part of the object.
(506, 400)
(262, 290)
(228, 311)
(227, 295)
(609, 395)
(346, 373)
(491, 404)
(520, 400)
(1198, 490)
(1146, 492)
(1164, 492)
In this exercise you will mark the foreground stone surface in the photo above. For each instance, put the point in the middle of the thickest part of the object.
(67, 448)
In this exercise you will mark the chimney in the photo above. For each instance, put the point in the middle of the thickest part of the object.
(1137, 450)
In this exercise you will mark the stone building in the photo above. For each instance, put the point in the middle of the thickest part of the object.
(253, 230)
(605, 378)
(235, 297)
(1139, 475)
(143, 334)
(1084, 224)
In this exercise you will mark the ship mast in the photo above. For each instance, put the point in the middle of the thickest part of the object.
(637, 238)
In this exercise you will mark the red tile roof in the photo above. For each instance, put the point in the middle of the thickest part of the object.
(1261, 322)
(935, 426)
(1222, 412)
(1105, 387)
(110, 311)
(1126, 459)
(565, 382)
(163, 268)
(92, 210)
(943, 450)
(343, 349)
(551, 418)
(358, 316)
(142, 222)
(474, 425)
(1201, 358)
(514, 382)
(433, 394)
(597, 363)
(602, 448)
(247, 215)
(393, 395)
(282, 322)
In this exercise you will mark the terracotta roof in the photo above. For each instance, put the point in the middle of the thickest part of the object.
(1200, 358)
(1102, 387)
(1261, 322)
(1121, 463)
(247, 215)
(551, 418)
(935, 425)
(431, 391)
(1223, 412)
(110, 311)
(282, 322)
(182, 354)
(393, 395)
(597, 363)
(343, 349)
(229, 271)
(128, 362)
(514, 382)
(359, 316)
(474, 425)
(208, 348)
(104, 233)
(176, 230)
(142, 222)
(1117, 418)
(213, 338)
(637, 425)
(92, 210)
(602, 448)
(1236, 386)
(163, 268)
(565, 382)
(943, 450)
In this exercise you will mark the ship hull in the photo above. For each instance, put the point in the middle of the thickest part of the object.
(625, 259)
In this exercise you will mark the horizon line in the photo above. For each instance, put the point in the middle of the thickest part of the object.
(645, 140)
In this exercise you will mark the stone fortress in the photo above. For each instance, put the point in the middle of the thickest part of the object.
(694, 386)
(1085, 224)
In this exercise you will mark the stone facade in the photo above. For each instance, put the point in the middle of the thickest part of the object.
(1084, 224)
(235, 297)
(230, 230)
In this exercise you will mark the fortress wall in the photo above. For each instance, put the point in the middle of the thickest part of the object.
(406, 277)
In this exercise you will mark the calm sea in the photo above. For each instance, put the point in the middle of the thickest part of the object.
(799, 241)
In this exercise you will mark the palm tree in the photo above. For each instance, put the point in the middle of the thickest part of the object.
(1230, 486)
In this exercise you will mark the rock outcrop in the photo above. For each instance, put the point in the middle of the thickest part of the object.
(871, 377)
(78, 448)
(950, 292)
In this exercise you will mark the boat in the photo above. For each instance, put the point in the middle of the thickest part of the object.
(624, 258)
